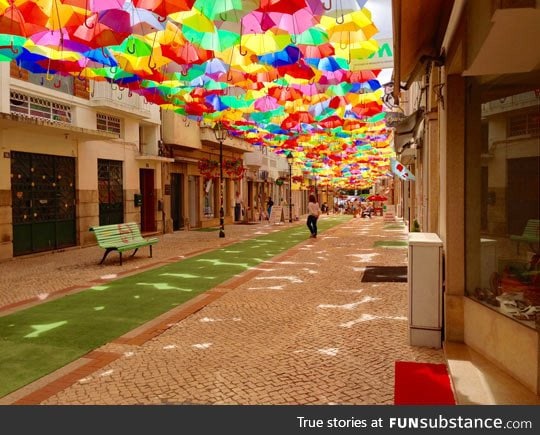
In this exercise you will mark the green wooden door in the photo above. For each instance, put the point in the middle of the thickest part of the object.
(43, 202)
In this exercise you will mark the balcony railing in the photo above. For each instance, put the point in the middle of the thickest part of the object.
(111, 96)
(39, 108)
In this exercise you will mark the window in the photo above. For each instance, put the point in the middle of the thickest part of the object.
(108, 123)
(36, 107)
(525, 124)
(209, 199)
(503, 252)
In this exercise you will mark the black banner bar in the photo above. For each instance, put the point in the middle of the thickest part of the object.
(271, 420)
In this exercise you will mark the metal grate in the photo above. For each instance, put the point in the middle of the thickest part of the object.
(526, 124)
(110, 191)
(37, 107)
(108, 123)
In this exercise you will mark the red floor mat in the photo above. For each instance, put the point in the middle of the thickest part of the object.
(422, 384)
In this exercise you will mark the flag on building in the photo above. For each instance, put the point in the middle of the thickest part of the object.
(401, 171)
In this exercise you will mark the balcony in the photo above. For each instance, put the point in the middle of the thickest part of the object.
(231, 143)
(512, 102)
(255, 160)
(122, 101)
(39, 108)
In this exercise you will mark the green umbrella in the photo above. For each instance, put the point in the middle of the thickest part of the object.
(219, 40)
(225, 10)
(312, 36)
(236, 102)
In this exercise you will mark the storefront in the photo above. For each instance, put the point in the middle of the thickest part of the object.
(477, 168)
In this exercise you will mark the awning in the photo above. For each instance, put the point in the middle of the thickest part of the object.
(418, 34)
(509, 47)
(409, 130)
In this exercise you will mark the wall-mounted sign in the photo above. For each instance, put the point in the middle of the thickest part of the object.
(382, 58)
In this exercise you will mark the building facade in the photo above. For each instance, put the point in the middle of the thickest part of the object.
(74, 155)
(469, 77)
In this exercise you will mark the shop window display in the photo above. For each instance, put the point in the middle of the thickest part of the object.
(502, 211)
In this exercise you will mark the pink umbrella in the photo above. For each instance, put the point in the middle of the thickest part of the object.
(265, 104)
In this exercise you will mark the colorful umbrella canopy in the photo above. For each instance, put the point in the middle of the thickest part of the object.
(276, 73)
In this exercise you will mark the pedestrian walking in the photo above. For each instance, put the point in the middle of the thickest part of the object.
(237, 207)
(269, 206)
(313, 214)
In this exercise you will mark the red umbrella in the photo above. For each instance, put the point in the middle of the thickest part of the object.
(293, 120)
(377, 198)
(165, 7)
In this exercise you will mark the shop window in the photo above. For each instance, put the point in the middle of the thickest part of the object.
(209, 200)
(503, 251)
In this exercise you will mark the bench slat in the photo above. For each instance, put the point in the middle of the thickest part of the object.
(121, 237)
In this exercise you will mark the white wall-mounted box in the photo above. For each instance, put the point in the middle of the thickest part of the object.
(425, 289)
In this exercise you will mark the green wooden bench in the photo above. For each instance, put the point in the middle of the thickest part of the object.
(531, 234)
(121, 237)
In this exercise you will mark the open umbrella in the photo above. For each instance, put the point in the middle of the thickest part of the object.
(377, 198)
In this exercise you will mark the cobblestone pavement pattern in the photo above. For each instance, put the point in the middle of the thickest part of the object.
(304, 329)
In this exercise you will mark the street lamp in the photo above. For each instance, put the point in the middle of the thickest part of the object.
(221, 134)
(290, 160)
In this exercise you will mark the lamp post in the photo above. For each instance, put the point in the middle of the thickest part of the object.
(221, 134)
(290, 160)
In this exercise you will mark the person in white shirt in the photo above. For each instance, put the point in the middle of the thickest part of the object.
(313, 214)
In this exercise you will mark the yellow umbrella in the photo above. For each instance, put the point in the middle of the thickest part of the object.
(194, 19)
(268, 42)
(57, 53)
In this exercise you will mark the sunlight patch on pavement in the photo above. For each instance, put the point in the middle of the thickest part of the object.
(262, 269)
(350, 291)
(274, 287)
(331, 351)
(210, 320)
(292, 279)
(365, 258)
(350, 306)
(363, 318)
(110, 276)
(369, 317)
(287, 263)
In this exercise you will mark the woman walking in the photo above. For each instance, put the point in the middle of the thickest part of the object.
(313, 214)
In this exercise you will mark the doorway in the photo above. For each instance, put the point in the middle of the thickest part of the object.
(193, 189)
(43, 202)
(177, 201)
(148, 208)
(110, 192)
